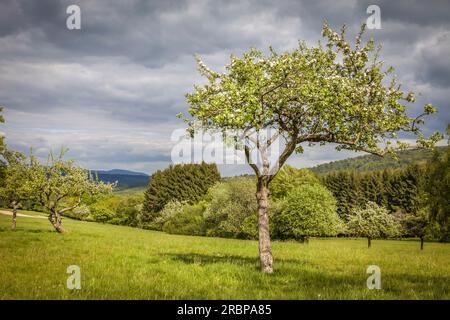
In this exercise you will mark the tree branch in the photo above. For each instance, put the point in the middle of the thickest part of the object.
(249, 160)
(72, 207)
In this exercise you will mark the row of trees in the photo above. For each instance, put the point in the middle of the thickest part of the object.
(302, 207)
(418, 194)
(397, 190)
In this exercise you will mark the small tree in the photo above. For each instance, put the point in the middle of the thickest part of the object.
(59, 186)
(308, 210)
(15, 187)
(334, 94)
(372, 222)
(416, 226)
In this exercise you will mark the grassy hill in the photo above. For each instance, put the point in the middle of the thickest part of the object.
(125, 263)
(371, 162)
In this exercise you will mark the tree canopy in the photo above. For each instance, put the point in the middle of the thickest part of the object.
(230, 203)
(309, 95)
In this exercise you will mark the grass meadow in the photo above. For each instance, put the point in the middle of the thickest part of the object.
(124, 263)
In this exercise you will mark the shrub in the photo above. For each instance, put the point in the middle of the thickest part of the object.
(230, 203)
(249, 229)
(182, 218)
(100, 212)
(128, 211)
(171, 209)
(104, 208)
(289, 178)
(307, 210)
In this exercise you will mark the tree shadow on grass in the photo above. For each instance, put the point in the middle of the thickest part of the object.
(296, 278)
(205, 259)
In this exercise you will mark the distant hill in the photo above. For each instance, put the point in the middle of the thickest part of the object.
(125, 178)
(371, 162)
(123, 172)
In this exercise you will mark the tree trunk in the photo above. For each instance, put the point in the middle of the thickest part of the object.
(15, 205)
(14, 218)
(369, 242)
(265, 251)
(421, 243)
(56, 220)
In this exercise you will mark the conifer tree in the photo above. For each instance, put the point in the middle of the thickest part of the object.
(181, 182)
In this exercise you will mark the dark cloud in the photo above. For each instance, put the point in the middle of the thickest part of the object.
(433, 13)
(110, 91)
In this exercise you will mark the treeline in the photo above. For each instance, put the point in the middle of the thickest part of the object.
(192, 199)
(398, 190)
(300, 207)
(418, 190)
(374, 163)
(377, 204)
(186, 183)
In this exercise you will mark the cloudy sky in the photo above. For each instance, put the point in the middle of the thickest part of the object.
(110, 91)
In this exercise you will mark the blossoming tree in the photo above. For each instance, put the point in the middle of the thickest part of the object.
(60, 185)
(337, 93)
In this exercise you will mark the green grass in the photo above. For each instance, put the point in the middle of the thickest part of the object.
(124, 263)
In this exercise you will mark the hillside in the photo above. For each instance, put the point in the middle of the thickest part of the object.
(125, 178)
(371, 162)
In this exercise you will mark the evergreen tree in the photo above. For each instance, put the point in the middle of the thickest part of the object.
(439, 192)
(345, 187)
(181, 182)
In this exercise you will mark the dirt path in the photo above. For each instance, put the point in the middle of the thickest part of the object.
(9, 213)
